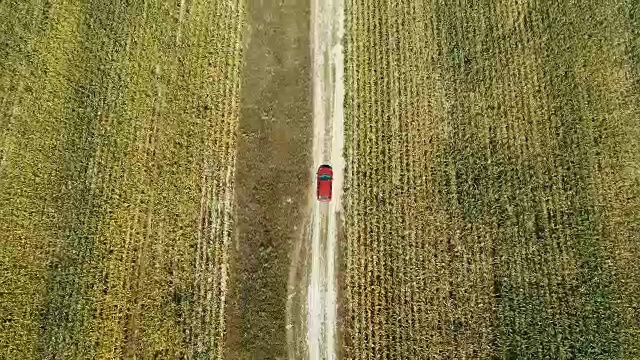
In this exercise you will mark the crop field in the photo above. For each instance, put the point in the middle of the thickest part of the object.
(491, 194)
(117, 153)
(492, 191)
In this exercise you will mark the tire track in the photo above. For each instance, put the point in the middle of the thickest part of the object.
(328, 117)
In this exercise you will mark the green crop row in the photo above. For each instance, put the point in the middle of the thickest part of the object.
(492, 180)
(117, 145)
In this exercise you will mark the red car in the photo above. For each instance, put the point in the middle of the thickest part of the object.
(324, 178)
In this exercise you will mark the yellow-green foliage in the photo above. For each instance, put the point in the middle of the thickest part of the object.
(493, 180)
(117, 146)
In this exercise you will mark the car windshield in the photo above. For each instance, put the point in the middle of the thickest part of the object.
(325, 177)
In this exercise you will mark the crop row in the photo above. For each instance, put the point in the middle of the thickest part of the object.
(118, 161)
(485, 148)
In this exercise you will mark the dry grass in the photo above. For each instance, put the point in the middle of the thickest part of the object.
(117, 136)
(493, 184)
(272, 176)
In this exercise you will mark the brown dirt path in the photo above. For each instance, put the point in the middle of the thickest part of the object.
(272, 179)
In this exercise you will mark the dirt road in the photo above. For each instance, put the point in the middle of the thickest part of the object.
(328, 93)
(311, 305)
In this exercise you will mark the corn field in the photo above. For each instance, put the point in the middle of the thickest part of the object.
(493, 180)
(491, 196)
(117, 148)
